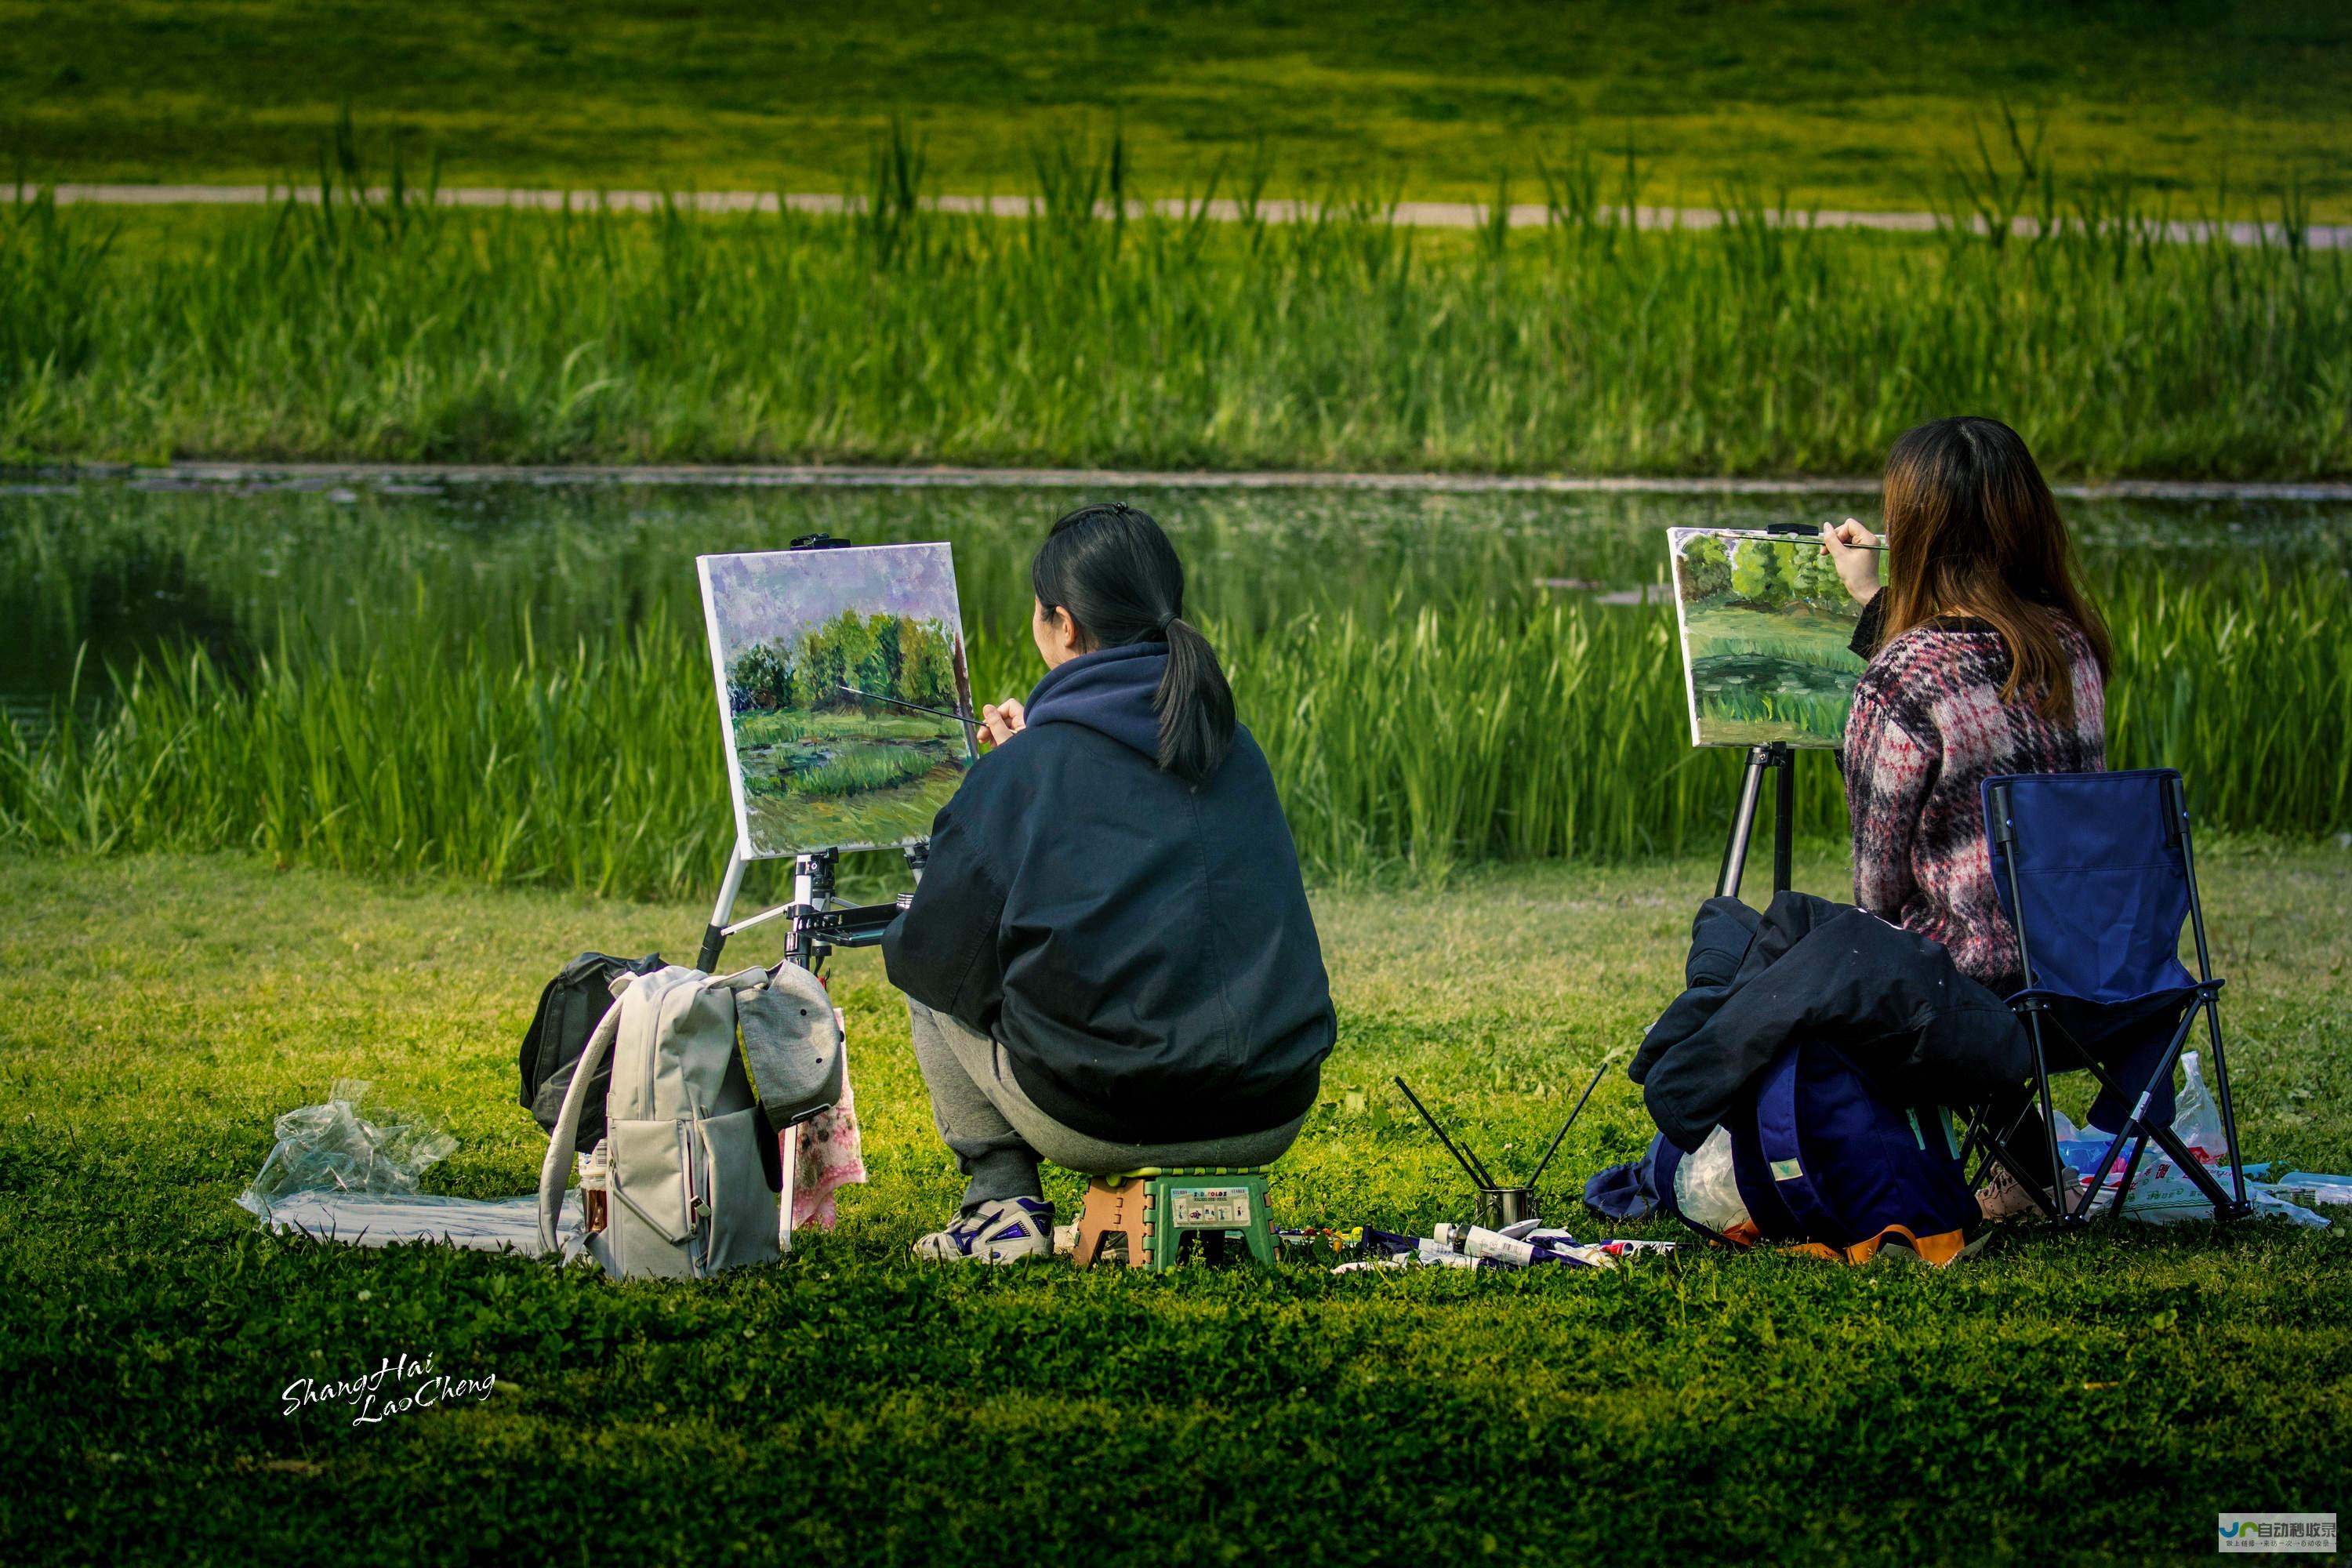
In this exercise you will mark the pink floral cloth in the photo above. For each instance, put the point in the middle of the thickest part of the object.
(831, 1156)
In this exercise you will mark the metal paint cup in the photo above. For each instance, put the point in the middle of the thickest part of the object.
(1500, 1206)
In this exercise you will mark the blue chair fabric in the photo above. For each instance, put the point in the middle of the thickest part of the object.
(2097, 875)
(2097, 863)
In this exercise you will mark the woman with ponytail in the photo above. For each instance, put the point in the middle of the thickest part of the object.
(1109, 962)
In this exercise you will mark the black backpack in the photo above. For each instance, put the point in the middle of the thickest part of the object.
(568, 1010)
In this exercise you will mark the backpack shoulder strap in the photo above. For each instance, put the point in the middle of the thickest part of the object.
(556, 1168)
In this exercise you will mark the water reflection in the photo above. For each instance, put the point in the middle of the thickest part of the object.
(126, 569)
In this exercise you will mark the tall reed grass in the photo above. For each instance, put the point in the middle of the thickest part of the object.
(1409, 744)
(391, 329)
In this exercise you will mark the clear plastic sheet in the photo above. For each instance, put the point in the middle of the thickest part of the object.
(353, 1143)
(384, 1219)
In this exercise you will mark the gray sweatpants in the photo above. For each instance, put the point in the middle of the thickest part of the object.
(998, 1134)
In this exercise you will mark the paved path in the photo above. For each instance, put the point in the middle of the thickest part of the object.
(321, 474)
(1423, 215)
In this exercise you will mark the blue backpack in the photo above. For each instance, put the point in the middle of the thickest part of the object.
(1813, 1157)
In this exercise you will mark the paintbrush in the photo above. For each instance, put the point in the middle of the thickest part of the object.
(895, 702)
(1476, 1171)
(1791, 536)
(1569, 1123)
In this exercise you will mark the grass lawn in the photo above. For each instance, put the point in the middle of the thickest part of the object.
(2095, 1400)
(1846, 104)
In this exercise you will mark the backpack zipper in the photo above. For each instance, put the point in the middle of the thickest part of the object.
(693, 1197)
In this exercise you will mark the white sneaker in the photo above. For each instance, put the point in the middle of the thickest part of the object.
(2005, 1196)
(1005, 1231)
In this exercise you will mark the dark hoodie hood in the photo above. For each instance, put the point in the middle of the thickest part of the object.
(1110, 689)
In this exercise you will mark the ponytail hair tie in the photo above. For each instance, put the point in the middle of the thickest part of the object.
(1164, 622)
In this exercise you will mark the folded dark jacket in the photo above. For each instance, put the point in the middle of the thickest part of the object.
(1807, 968)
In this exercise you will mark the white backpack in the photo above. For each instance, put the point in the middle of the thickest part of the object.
(678, 1187)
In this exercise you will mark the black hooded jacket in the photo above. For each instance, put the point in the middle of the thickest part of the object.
(1141, 947)
(1891, 999)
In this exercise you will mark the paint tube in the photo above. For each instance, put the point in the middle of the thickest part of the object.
(1429, 1253)
(1443, 1256)
(1363, 1265)
(1477, 1241)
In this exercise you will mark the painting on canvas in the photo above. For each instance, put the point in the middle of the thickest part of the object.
(807, 645)
(1765, 629)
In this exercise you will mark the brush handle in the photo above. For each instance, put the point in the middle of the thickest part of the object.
(1469, 1166)
(1564, 1126)
(895, 702)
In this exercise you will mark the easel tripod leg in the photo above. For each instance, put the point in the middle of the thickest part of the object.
(1781, 759)
(714, 938)
(1784, 815)
(1743, 827)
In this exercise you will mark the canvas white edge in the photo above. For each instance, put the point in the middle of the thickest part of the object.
(1675, 537)
(744, 848)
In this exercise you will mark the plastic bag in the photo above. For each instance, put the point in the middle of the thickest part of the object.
(352, 1143)
(2165, 1197)
(2196, 1120)
(1705, 1189)
(2161, 1193)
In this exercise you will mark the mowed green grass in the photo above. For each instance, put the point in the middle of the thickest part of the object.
(1843, 104)
(2095, 1400)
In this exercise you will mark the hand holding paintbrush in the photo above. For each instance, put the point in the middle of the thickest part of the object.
(1856, 551)
(999, 723)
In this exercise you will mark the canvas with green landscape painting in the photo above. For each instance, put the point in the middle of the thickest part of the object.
(825, 660)
(1765, 628)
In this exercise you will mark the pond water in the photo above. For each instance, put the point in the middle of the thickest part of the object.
(103, 571)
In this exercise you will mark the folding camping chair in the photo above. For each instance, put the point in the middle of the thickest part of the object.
(2096, 874)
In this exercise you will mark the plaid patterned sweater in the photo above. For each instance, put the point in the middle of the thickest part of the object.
(1928, 727)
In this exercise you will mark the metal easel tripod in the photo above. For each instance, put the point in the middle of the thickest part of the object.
(1780, 758)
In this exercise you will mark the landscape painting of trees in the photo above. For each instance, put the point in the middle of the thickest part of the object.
(819, 655)
(1766, 626)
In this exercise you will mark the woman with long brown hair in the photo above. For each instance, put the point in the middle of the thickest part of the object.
(1985, 658)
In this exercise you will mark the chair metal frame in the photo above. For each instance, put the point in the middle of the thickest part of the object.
(2034, 1011)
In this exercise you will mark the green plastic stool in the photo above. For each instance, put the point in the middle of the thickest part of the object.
(1157, 1210)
